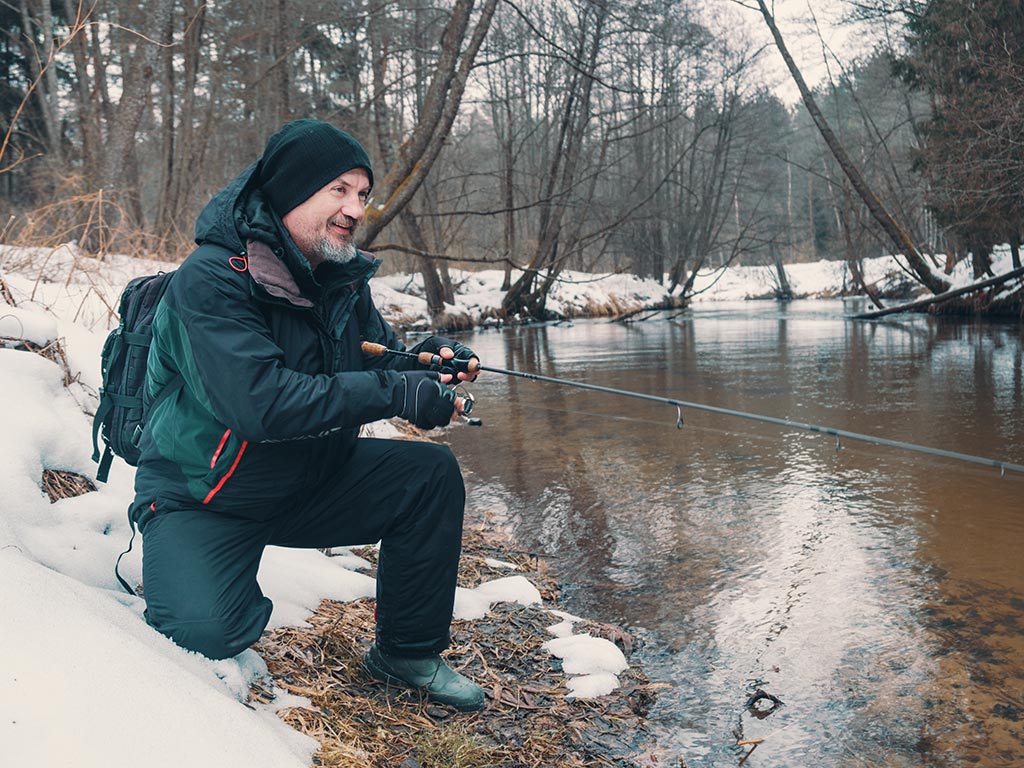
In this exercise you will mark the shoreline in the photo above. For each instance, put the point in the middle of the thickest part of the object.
(528, 719)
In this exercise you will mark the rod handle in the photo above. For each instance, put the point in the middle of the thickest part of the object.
(424, 358)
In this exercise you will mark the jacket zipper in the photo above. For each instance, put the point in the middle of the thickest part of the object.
(220, 447)
(234, 465)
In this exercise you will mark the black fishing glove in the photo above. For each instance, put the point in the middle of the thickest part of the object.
(427, 402)
(455, 366)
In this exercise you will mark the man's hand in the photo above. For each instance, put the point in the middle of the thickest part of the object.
(427, 404)
(456, 357)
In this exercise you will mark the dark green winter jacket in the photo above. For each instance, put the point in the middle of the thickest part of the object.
(275, 385)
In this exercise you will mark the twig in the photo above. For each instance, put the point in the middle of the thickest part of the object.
(6, 293)
(756, 743)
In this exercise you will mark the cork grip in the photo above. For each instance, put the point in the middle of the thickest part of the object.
(424, 358)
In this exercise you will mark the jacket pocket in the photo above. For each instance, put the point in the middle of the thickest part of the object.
(224, 461)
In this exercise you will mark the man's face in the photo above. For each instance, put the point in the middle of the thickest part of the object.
(322, 226)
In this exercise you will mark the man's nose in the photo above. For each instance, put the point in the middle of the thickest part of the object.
(353, 207)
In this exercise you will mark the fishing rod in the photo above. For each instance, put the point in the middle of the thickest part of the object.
(473, 365)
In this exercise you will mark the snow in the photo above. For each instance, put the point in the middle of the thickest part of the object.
(479, 294)
(593, 663)
(564, 627)
(84, 681)
(474, 603)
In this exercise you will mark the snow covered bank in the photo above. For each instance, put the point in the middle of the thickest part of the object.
(84, 681)
(80, 292)
(479, 294)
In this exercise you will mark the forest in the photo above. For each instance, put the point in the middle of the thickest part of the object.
(593, 135)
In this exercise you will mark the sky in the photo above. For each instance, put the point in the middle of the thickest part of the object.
(84, 681)
(800, 21)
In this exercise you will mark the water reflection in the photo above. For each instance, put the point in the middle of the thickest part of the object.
(878, 593)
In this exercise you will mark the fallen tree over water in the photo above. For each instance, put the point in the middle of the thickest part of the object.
(975, 298)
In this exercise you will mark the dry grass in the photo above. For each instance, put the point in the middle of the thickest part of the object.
(528, 721)
(60, 484)
(54, 352)
(5, 294)
(94, 220)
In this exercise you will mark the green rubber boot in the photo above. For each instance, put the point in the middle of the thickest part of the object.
(440, 682)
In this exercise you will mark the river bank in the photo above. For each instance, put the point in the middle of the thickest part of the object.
(539, 711)
(83, 666)
(530, 717)
(546, 674)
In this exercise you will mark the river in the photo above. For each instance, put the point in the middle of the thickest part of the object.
(877, 593)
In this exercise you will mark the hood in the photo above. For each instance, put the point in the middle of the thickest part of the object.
(240, 214)
(217, 222)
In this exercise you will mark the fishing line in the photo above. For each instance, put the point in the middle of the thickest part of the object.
(473, 366)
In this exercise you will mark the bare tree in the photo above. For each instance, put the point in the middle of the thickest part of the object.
(408, 167)
(897, 234)
(37, 21)
(140, 61)
(562, 175)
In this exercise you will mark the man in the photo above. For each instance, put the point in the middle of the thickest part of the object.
(262, 324)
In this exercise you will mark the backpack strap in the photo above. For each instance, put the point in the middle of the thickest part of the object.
(103, 470)
(107, 402)
(120, 578)
(97, 424)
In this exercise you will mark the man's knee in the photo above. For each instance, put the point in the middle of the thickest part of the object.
(438, 465)
(199, 576)
(217, 637)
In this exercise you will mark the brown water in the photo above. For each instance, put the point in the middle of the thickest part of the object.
(878, 593)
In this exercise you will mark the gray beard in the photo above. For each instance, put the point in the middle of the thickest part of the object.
(340, 254)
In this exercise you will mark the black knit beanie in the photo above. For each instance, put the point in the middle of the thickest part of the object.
(302, 157)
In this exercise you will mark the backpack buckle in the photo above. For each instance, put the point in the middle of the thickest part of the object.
(137, 435)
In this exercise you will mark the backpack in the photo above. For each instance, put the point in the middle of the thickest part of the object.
(120, 416)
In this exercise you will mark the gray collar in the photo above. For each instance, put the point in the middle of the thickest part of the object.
(272, 275)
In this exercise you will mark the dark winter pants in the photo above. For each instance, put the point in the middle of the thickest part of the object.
(199, 567)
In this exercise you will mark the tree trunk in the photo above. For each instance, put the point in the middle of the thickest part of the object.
(508, 190)
(41, 61)
(784, 292)
(899, 237)
(417, 154)
(437, 285)
(432, 286)
(139, 71)
(939, 298)
(87, 107)
(981, 259)
(188, 132)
